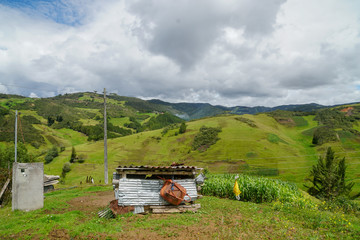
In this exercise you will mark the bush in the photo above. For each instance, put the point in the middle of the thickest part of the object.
(160, 121)
(323, 135)
(206, 137)
(3, 111)
(31, 119)
(182, 128)
(66, 168)
(81, 158)
(249, 122)
(51, 154)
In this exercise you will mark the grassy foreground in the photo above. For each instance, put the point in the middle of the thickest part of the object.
(72, 214)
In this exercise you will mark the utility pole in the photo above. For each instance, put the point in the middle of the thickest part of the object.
(105, 141)
(16, 117)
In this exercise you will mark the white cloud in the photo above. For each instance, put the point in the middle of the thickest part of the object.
(223, 52)
(33, 95)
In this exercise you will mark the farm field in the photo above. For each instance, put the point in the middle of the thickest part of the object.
(72, 214)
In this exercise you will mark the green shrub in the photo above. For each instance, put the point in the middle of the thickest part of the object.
(3, 111)
(182, 128)
(249, 122)
(343, 204)
(66, 168)
(31, 119)
(51, 154)
(206, 137)
(323, 135)
(81, 158)
(161, 120)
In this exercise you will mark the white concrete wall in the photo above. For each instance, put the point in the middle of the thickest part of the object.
(28, 186)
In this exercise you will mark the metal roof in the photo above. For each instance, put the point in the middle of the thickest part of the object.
(148, 167)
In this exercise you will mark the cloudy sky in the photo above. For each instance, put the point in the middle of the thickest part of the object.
(224, 52)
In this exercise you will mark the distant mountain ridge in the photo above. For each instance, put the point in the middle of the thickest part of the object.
(189, 111)
(186, 110)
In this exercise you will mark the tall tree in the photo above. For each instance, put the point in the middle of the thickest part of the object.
(328, 178)
(182, 128)
(73, 155)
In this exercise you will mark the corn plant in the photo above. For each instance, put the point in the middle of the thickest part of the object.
(253, 189)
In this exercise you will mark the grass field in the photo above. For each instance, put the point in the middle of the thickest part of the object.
(72, 214)
(252, 144)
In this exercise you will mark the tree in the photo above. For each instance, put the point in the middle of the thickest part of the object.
(51, 154)
(51, 121)
(328, 178)
(324, 134)
(73, 155)
(66, 168)
(182, 128)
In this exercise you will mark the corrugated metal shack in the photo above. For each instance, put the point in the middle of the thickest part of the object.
(139, 186)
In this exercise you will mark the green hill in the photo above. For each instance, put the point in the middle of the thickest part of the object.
(280, 144)
(252, 144)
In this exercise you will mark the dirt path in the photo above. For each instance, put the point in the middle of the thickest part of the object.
(92, 203)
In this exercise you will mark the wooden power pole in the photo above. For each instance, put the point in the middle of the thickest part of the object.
(105, 141)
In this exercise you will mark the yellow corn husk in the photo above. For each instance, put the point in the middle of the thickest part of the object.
(236, 189)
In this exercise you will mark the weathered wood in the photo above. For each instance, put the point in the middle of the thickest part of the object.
(134, 172)
(175, 209)
(4, 187)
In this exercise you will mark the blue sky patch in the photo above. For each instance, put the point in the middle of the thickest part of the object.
(60, 11)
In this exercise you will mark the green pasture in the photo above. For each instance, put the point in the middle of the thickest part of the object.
(272, 149)
(119, 121)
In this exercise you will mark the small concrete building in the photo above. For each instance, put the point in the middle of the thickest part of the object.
(28, 186)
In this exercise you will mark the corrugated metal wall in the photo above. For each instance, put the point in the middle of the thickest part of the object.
(143, 192)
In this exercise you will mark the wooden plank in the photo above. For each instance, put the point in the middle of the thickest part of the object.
(174, 209)
(198, 205)
(4, 187)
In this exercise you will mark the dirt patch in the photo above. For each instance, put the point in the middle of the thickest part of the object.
(59, 234)
(92, 203)
(286, 121)
(21, 235)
